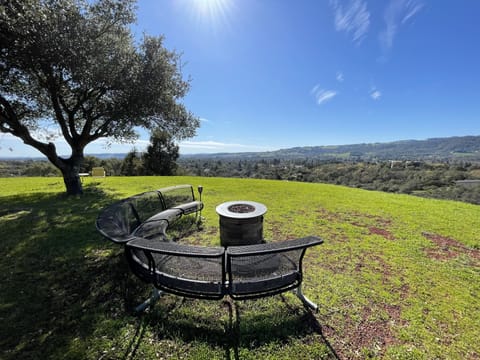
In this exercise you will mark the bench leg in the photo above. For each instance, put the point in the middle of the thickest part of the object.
(306, 301)
(150, 301)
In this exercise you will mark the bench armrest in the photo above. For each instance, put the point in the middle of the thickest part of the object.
(273, 247)
(190, 207)
(170, 248)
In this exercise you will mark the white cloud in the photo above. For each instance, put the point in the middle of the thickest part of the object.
(204, 120)
(375, 94)
(322, 95)
(354, 18)
(192, 147)
(204, 144)
(413, 9)
(397, 13)
(340, 76)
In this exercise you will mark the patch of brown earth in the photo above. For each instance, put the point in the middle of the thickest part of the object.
(374, 331)
(382, 232)
(448, 248)
(326, 215)
(370, 335)
(278, 232)
(378, 228)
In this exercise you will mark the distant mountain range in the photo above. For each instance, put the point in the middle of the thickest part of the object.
(451, 148)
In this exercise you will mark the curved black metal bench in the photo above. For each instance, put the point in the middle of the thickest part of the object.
(147, 215)
(241, 272)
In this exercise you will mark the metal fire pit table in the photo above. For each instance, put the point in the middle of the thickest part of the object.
(241, 222)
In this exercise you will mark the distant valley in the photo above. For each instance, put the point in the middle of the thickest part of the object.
(435, 149)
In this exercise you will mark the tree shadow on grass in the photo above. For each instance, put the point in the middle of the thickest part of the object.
(65, 292)
(58, 278)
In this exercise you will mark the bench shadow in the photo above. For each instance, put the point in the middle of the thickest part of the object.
(241, 326)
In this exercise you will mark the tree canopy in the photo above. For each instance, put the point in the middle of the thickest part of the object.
(161, 155)
(72, 68)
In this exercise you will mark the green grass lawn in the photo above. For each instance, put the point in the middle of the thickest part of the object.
(398, 277)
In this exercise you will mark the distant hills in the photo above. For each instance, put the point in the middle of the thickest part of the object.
(451, 148)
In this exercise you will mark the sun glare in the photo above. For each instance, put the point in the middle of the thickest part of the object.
(211, 8)
(213, 12)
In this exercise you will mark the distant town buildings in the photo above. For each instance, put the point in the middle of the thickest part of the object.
(467, 183)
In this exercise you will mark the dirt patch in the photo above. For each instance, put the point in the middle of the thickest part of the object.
(370, 336)
(324, 214)
(279, 232)
(376, 225)
(448, 248)
(370, 331)
(377, 334)
(382, 232)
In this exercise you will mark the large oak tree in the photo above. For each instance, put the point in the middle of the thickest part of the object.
(74, 66)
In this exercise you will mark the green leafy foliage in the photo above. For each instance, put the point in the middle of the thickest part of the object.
(161, 155)
(132, 164)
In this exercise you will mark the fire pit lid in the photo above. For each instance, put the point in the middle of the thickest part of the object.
(241, 209)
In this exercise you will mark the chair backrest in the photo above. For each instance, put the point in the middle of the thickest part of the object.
(98, 171)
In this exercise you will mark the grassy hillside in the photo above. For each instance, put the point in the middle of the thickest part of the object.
(398, 277)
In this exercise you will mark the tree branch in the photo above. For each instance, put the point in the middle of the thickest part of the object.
(10, 118)
(70, 116)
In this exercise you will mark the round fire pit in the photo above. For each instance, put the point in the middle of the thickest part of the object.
(241, 222)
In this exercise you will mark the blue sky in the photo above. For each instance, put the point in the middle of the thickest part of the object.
(271, 74)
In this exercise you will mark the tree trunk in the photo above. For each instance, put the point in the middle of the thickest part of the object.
(72, 182)
(70, 169)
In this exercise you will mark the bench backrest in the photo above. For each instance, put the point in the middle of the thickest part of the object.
(242, 272)
(266, 269)
(98, 171)
(119, 221)
(185, 270)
